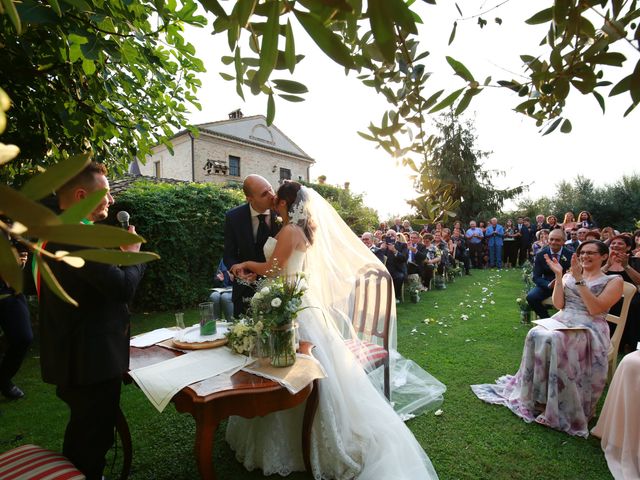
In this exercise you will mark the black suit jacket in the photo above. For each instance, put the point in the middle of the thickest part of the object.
(397, 262)
(542, 274)
(87, 344)
(239, 246)
(527, 236)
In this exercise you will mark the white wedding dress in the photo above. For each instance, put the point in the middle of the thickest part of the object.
(356, 433)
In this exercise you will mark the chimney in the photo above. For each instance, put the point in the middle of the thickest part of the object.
(235, 115)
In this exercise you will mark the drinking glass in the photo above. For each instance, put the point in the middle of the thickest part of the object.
(207, 319)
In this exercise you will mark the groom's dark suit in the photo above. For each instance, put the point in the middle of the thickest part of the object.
(240, 246)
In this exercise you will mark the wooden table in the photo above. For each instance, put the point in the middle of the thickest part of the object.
(242, 394)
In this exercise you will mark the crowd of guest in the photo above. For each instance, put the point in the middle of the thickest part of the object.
(430, 250)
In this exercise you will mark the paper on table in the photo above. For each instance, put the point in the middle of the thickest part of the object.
(161, 381)
(553, 324)
(151, 338)
(305, 370)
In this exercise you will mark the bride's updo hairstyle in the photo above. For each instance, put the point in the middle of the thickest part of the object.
(292, 193)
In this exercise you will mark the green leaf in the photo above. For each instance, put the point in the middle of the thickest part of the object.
(615, 59)
(464, 102)
(431, 101)
(291, 98)
(10, 9)
(382, 28)
(269, 47)
(328, 41)
(226, 76)
(289, 86)
(290, 47)
(52, 281)
(622, 86)
(566, 126)
(237, 63)
(79, 210)
(214, 7)
(447, 101)
(86, 235)
(453, 32)
(116, 257)
(271, 109)
(553, 126)
(460, 70)
(88, 66)
(55, 6)
(561, 88)
(244, 11)
(10, 269)
(543, 16)
(634, 84)
(55, 176)
(24, 210)
(600, 100)
(367, 137)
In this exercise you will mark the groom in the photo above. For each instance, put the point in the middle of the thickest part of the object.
(246, 229)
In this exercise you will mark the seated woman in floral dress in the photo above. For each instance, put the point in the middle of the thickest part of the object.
(563, 371)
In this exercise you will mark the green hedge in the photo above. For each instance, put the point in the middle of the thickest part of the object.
(184, 224)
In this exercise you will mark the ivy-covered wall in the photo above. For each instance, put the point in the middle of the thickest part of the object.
(184, 224)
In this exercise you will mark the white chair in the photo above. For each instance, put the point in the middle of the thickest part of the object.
(629, 290)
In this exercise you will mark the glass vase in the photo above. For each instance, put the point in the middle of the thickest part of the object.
(261, 348)
(282, 345)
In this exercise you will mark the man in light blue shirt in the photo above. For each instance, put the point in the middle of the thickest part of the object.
(494, 234)
(474, 240)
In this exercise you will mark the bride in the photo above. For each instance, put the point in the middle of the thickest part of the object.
(356, 432)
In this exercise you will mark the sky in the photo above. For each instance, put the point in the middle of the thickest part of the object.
(337, 106)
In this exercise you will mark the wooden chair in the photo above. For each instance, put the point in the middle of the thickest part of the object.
(547, 302)
(629, 290)
(371, 346)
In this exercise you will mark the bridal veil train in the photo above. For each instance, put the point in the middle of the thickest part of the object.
(356, 432)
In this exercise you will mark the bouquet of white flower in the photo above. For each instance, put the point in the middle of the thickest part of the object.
(276, 304)
(278, 300)
(245, 335)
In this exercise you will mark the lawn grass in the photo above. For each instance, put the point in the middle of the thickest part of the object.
(470, 440)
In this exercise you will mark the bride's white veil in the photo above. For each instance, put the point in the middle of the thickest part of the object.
(333, 262)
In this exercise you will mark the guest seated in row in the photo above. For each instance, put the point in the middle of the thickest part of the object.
(592, 235)
(416, 255)
(367, 238)
(396, 260)
(543, 276)
(563, 372)
(222, 292)
(620, 263)
(573, 243)
(432, 262)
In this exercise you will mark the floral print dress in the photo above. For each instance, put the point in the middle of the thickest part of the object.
(563, 372)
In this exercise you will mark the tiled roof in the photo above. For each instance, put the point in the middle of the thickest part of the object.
(121, 184)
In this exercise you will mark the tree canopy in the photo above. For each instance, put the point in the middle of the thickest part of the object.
(112, 77)
(451, 181)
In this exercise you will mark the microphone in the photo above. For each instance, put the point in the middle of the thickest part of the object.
(123, 218)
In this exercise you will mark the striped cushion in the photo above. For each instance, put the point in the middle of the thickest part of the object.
(368, 354)
(30, 462)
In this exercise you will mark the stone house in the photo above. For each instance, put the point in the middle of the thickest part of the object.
(227, 151)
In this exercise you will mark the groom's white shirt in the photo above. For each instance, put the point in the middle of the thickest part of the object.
(255, 222)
